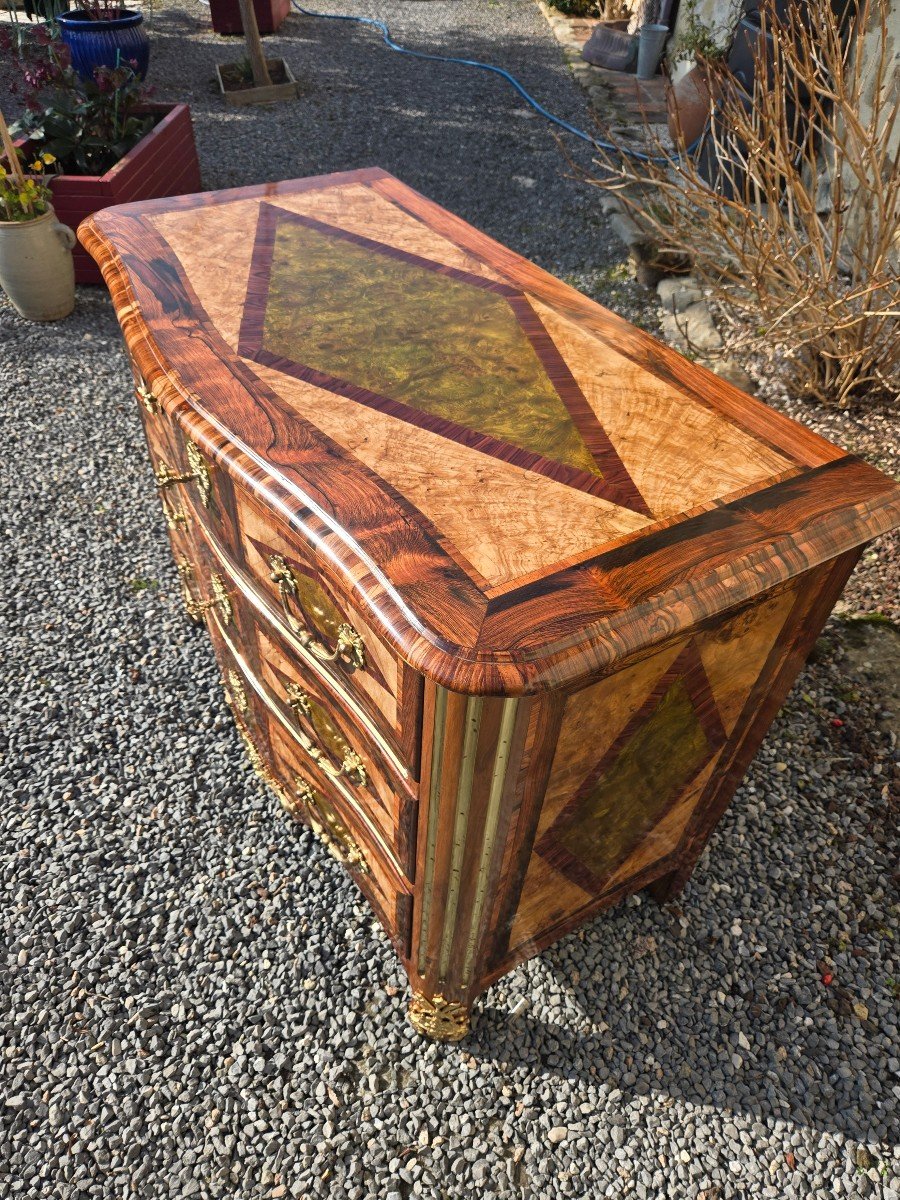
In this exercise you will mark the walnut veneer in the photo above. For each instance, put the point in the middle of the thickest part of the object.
(505, 593)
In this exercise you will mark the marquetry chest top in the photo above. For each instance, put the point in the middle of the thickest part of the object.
(517, 487)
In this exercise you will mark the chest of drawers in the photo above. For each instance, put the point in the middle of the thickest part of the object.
(505, 594)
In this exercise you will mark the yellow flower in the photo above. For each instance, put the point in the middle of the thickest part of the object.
(2, 171)
(37, 165)
(48, 157)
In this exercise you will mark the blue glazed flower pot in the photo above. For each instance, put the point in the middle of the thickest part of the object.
(104, 43)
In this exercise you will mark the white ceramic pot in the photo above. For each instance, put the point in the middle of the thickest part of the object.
(36, 269)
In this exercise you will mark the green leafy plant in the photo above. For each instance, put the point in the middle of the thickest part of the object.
(141, 583)
(91, 127)
(606, 10)
(86, 125)
(45, 10)
(24, 197)
(242, 70)
(96, 10)
(578, 8)
(698, 39)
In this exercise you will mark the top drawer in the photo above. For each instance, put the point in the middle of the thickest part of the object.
(335, 637)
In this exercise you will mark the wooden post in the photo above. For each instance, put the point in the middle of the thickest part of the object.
(12, 157)
(254, 44)
(9, 151)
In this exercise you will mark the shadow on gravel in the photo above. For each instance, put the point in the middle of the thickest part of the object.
(461, 136)
(560, 1050)
(689, 1030)
(768, 990)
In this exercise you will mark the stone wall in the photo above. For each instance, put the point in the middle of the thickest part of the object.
(893, 48)
(719, 16)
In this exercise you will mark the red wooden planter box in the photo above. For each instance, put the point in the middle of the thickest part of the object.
(226, 15)
(164, 163)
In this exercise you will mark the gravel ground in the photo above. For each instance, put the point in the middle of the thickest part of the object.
(193, 998)
(874, 434)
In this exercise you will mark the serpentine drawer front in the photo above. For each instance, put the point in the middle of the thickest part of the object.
(341, 821)
(505, 594)
(336, 743)
(330, 633)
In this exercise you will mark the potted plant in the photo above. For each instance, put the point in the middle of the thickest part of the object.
(226, 15)
(35, 248)
(102, 33)
(690, 100)
(256, 79)
(112, 144)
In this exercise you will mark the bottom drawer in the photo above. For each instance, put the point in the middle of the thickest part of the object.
(344, 833)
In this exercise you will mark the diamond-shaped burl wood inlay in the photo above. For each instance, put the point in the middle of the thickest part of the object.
(452, 352)
(662, 749)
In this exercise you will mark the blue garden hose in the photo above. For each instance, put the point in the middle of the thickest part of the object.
(382, 27)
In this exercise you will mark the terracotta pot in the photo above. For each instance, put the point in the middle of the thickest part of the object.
(689, 105)
(36, 270)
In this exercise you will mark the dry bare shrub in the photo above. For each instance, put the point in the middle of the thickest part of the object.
(798, 237)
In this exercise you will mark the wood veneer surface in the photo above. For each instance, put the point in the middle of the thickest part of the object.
(521, 490)
(694, 693)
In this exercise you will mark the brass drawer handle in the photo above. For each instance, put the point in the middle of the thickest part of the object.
(334, 835)
(349, 645)
(198, 472)
(351, 764)
(235, 692)
(146, 397)
(196, 608)
(174, 514)
(332, 832)
(258, 763)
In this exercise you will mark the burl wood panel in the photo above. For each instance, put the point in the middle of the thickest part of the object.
(585, 572)
(633, 756)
